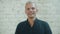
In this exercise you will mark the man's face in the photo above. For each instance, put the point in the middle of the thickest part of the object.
(30, 10)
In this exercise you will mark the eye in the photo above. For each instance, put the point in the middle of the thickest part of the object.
(33, 8)
(28, 8)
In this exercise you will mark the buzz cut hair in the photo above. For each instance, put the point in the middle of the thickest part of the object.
(30, 2)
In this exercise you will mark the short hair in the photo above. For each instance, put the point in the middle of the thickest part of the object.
(30, 2)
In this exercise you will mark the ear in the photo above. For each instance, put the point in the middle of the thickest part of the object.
(25, 11)
(37, 10)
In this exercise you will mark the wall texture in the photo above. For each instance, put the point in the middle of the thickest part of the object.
(12, 12)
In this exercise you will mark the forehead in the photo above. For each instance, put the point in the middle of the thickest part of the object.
(29, 5)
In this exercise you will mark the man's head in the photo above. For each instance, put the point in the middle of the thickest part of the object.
(30, 9)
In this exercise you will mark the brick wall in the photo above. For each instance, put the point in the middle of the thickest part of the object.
(12, 12)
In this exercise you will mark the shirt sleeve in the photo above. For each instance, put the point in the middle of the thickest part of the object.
(47, 29)
(18, 29)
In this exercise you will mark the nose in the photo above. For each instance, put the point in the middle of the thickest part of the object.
(31, 10)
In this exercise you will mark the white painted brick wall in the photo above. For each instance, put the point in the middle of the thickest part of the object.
(12, 12)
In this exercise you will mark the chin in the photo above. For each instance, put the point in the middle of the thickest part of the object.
(31, 16)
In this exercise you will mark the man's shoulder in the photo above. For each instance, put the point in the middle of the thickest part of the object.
(42, 22)
(22, 23)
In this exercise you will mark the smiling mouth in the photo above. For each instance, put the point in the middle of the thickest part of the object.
(31, 13)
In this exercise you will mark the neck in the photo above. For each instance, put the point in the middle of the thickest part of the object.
(31, 21)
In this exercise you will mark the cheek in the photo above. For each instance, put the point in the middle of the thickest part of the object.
(26, 12)
(34, 11)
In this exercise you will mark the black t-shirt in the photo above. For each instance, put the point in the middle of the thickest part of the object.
(39, 27)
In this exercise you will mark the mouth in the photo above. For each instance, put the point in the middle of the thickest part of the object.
(31, 13)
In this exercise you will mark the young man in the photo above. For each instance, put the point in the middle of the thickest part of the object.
(32, 25)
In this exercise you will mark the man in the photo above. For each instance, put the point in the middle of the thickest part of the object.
(32, 25)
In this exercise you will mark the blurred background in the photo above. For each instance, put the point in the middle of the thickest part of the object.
(12, 12)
